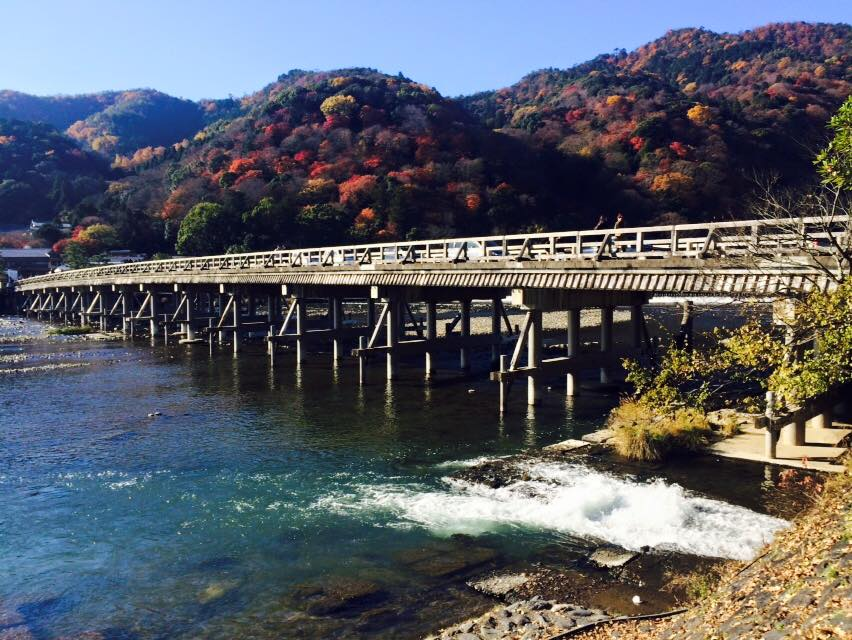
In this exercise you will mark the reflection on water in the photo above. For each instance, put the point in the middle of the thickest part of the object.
(275, 502)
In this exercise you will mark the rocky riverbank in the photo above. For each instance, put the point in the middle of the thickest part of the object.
(800, 586)
(606, 580)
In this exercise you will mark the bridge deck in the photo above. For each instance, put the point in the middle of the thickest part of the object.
(755, 257)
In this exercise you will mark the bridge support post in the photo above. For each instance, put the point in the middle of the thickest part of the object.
(220, 311)
(237, 321)
(823, 420)
(606, 342)
(125, 309)
(102, 307)
(300, 328)
(636, 322)
(362, 344)
(464, 351)
(431, 334)
(392, 335)
(572, 349)
(189, 331)
(793, 433)
(154, 308)
(371, 313)
(336, 308)
(496, 308)
(534, 354)
(504, 386)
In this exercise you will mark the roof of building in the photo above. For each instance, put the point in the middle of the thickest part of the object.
(25, 253)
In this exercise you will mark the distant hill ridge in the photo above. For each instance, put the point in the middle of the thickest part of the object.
(676, 130)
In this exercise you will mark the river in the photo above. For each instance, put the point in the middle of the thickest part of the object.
(170, 492)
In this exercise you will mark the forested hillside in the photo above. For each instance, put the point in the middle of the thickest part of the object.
(127, 127)
(692, 118)
(43, 173)
(680, 129)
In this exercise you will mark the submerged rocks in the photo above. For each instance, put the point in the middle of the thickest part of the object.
(339, 596)
(611, 556)
(531, 619)
(567, 445)
(441, 561)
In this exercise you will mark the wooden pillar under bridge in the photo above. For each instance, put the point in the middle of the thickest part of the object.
(84, 306)
(153, 323)
(534, 354)
(189, 316)
(220, 311)
(392, 320)
(496, 334)
(300, 329)
(126, 310)
(336, 324)
(606, 341)
(464, 351)
(236, 318)
(102, 307)
(371, 313)
(572, 349)
(431, 334)
(636, 326)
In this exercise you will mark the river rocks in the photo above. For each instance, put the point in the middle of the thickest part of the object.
(216, 591)
(339, 596)
(566, 446)
(601, 436)
(441, 561)
(532, 619)
(610, 556)
(500, 585)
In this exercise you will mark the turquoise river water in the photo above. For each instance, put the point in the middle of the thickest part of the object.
(255, 487)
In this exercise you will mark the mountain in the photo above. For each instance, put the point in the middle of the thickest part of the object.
(679, 129)
(119, 123)
(693, 117)
(355, 154)
(43, 173)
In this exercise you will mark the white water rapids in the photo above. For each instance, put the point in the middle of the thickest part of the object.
(575, 500)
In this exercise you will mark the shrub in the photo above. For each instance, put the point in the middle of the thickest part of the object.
(71, 330)
(641, 433)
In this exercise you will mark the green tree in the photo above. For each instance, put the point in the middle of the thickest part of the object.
(834, 163)
(208, 228)
(75, 256)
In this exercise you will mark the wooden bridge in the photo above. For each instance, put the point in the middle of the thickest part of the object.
(399, 284)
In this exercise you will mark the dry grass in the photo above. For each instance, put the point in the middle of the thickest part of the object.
(642, 433)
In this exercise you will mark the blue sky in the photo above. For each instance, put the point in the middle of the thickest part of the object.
(196, 49)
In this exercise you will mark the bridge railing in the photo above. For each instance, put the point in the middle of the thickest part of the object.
(771, 237)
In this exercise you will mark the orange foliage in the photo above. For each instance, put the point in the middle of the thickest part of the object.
(355, 187)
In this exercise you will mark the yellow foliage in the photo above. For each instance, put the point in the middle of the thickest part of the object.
(615, 101)
(674, 181)
(783, 63)
(699, 114)
(739, 65)
(819, 72)
(338, 106)
(339, 81)
(690, 88)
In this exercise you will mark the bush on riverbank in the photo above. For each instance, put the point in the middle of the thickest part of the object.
(648, 434)
(71, 330)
